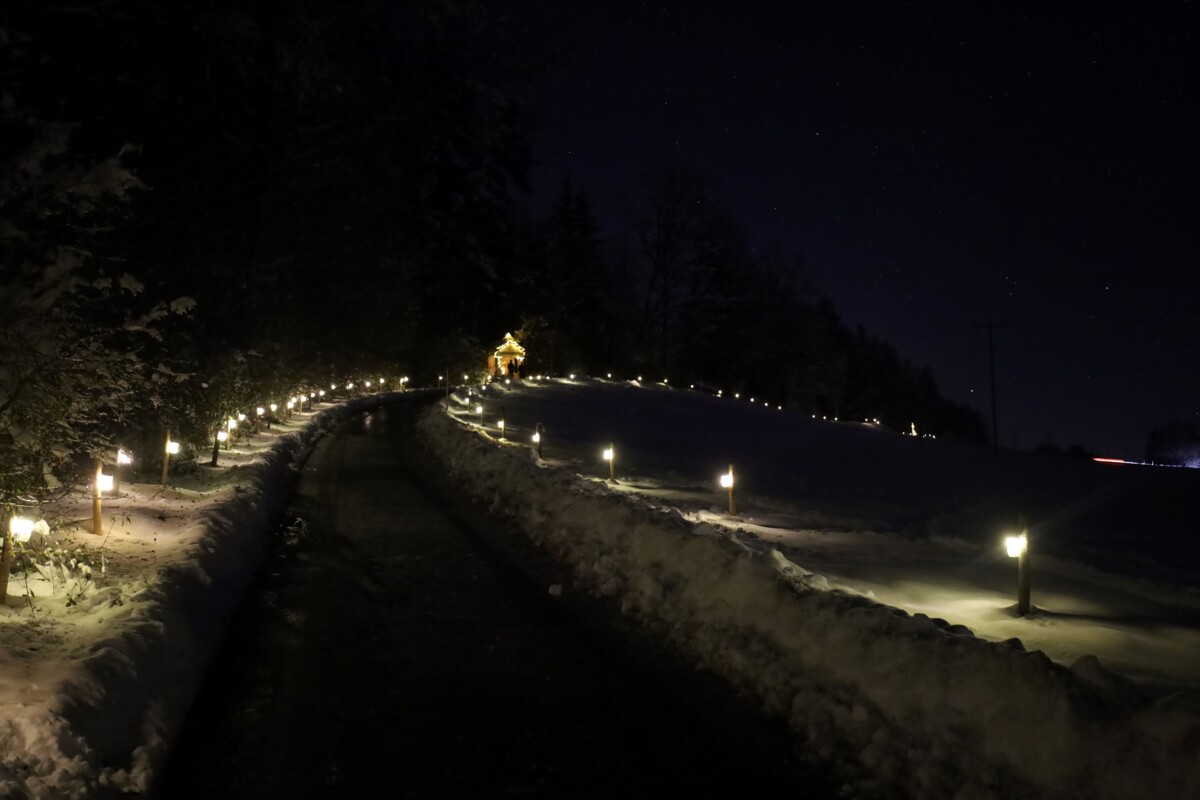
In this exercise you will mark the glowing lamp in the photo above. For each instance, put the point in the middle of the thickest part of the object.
(173, 448)
(537, 438)
(571, 376)
(332, 386)
(260, 411)
(349, 385)
(479, 410)
(274, 407)
(464, 376)
(727, 483)
(123, 457)
(21, 528)
(241, 417)
(367, 384)
(222, 436)
(639, 378)
(231, 424)
(321, 393)
(291, 404)
(104, 483)
(1016, 546)
(500, 425)
(608, 454)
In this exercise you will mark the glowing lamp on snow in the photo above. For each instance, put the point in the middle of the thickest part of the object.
(274, 407)
(1018, 547)
(727, 483)
(349, 386)
(123, 457)
(610, 455)
(260, 411)
(571, 376)
(21, 528)
(172, 448)
(537, 438)
(367, 384)
(104, 483)
(222, 436)
(500, 425)
(321, 393)
(332, 386)
(231, 424)
(241, 417)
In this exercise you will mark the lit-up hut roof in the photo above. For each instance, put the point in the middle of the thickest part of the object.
(509, 350)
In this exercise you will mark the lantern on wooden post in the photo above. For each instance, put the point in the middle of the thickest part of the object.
(169, 449)
(123, 458)
(727, 483)
(1018, 547)
(610, 455)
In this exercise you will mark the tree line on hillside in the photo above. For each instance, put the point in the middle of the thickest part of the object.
(206, 204)
(682, 294)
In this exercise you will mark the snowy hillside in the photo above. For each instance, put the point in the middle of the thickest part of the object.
(860, 590)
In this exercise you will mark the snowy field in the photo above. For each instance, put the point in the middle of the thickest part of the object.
(101, 653)
(862, 590)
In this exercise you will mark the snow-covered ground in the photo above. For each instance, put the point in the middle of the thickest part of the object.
(97, 673)
(862, 591)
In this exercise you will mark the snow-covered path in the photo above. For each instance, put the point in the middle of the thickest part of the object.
(401, 643)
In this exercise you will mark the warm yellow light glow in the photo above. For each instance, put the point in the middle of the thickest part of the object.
(608, 454)
(1016, 545)
(349, 385)
(571, 376)
(173, 448)
(332, 386)
(241, 417)
(639, 378)
(382, 381)
(321, 393)
(21, 528)
(610, 375)
(274, 407)
(464, 376)
(222, 436)
(260, 411)
(727, 480)
(123, 457)
(478, 409)
(231, 424)
(367, 384)
(104, 482)
(500, 425)
(537, 437)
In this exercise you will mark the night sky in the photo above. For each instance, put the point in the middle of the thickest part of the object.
(934, 167)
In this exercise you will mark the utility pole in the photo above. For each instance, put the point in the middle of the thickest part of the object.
(990, 326)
